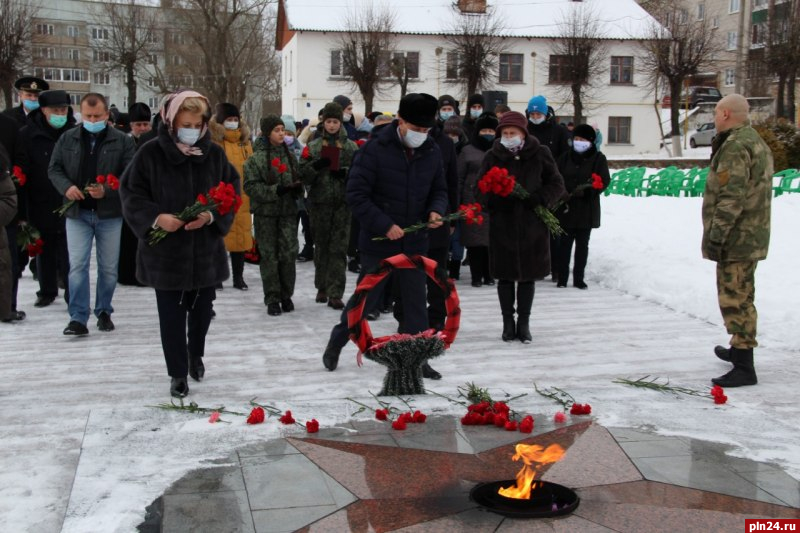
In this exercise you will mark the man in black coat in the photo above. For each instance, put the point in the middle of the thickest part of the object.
(396, 181)
(28, 88)
(37, 140)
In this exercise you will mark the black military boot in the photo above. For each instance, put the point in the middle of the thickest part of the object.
(524, 304)
(723, 353)
(331, 357)
(743, 373)
(237, 268)
(505, 293)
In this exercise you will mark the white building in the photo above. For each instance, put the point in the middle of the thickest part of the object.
(622, 106)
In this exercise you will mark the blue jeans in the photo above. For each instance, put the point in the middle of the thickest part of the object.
(80, 233)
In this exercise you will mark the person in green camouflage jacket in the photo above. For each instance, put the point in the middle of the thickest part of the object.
(271, 180)
(325, 178)
(736, 228)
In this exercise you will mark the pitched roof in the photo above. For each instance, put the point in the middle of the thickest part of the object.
(622, 19)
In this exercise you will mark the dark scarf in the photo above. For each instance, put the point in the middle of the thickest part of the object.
(718, 141)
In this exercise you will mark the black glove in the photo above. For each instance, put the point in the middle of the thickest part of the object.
(340, 174)
(321, 163)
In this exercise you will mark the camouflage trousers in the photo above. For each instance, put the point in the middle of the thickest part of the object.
(277, 244)
(736, 291)
(331, 226)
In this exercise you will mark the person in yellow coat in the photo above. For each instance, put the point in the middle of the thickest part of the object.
(233, 134)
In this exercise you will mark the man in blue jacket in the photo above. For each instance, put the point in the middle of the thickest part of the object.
(396, 180)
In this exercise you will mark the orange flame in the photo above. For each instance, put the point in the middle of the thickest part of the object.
(530, 454)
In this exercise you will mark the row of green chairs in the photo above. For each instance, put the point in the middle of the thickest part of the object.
(672, 181)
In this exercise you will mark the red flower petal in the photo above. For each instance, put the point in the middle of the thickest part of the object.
(287, 418)
(419, 417)
(381, 414)
(511, 425)
(256, 416)
(312, 426)
(399, 424)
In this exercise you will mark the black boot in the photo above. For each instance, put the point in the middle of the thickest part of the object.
(505, 292)
(723, 353)
(454, 269)
(429, 373)
(743, 373)
(196, 368)
(237, 268)
(524, 304)
(331, 357)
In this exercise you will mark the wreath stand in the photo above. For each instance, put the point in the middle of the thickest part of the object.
(402, 354)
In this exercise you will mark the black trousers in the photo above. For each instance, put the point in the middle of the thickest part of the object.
(581, 239)
(174, 308)
(479, 263)
(11, 233)
(437, 312)
(52, 263)
(411, 283)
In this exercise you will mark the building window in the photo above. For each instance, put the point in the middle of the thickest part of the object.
(715, 22)
(759, 3)
(337, 64)
(701, 11)
(733, 6)
(619, 130)
(510, 68)
(151, 82)
(177, 61)
(560, 68)
(102, 78)
(622, 69)
(75, 99)
(101, 55)
(100, 34)
(73, 31)
(453, 67)
(178, 38)
(732, 35)
(44, 29)
(151, 37)
(730, 77)
(683, 16)
(44, 52)
(759, 33)
(152, 59)
(74, 54)
(152, 102)
(75, 74)
(412, 65)
(399, 64)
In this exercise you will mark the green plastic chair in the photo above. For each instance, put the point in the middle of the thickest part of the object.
(784, 181)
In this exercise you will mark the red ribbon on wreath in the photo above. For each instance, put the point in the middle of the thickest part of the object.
(360, 331)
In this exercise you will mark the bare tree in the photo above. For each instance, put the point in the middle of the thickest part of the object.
(782, 52)
(223, 47)
(365, 49)
(16, 21)
(404, 68)
(132, 36)
(581, 47)
(677, 49)
(474, 44)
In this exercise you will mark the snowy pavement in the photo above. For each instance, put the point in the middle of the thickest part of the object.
(84, 452)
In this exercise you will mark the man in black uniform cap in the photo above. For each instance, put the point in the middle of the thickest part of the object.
(28, 88)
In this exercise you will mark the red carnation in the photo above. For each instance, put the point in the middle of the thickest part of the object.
(560, 418)
(256, 416)
(500, 420)
(597, 181)
(489, 418)
(511, 425)
(312, 426)
(361, 142)
(580, 409)
(399, 424)
(306, 154)
(526, 426)
(100, 179)
(19, 175)
(287, 418)
(201, 199)
(419, 417)
(719, 400)
(282, 168)
(382, 414)
(275, 162)
(406, 417)
(501, 407)
(113, 182)
(479, 408)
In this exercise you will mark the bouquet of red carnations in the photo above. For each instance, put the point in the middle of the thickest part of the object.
(109, 179)
(222, 198)
(29, 239)
(596, 184)
(469, 212)
(498, 182)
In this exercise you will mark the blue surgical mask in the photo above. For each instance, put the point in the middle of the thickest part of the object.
(475, 113)
(537, 121)
(94, 127)
(57, 121)
(511, 142)
(414, 139)
(188, 136)
(581, 146)
(30, 105)
(489, 137)
(444, 115)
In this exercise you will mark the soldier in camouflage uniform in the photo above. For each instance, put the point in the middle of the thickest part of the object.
(271, 180)
(327, 205)
(736, 228)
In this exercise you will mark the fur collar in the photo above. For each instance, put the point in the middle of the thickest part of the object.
(218, 131)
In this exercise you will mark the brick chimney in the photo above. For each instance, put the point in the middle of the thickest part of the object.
(472, 6)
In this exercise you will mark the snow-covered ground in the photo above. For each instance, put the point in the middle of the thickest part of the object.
(82, 451)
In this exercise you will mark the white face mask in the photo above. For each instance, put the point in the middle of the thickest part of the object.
(288, 139)
(346, 117)
(414, 139)
(231, 124)
(581, 146)
(511, 142)
(537, 121)
(444, 115)
(188, 136)
(475, 113)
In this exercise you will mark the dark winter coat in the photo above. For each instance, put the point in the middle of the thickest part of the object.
(551, 134)
(386, 188)
(9, 138)
(8, 210)
(261, 180)
(582, 210)
(469, 163)
(519, 242)
(115, 151)
(36, 144)
(161, 179)
(18, 114)
(440, 237)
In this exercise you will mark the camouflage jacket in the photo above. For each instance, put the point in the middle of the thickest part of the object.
(323, 186)
(737, 199)
(262, 176)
